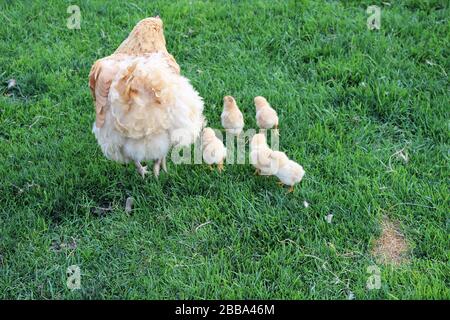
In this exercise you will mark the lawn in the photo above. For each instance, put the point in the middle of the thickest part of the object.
(364, 111)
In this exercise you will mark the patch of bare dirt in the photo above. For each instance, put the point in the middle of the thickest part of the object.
(391, 247)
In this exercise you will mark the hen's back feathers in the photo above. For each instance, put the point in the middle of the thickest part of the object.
(146, 37)
(100, 78)
(147, 98)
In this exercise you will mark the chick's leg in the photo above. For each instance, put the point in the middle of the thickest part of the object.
(291, 189)
(220, 166)
(141, 169)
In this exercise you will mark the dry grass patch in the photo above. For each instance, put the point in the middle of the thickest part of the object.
(391, 247)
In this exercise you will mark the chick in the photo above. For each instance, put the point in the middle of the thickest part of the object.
(232, 118)
(266, 116)
(260, 155)
(214, 152)
(289, 172)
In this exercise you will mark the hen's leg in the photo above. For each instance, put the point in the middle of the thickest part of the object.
(276, 131)
(142, 170)
(157, 168)
(164, 164)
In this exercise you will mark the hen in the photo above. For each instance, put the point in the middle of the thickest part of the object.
(143, 105)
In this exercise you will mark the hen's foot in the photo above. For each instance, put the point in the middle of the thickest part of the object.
(257, 172)
(220, 167)
(291, 189)
(141, 169)
(157, 168)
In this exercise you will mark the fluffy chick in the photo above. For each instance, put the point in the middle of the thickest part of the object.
(289, 172)
(214, 152)
(232, 118)
(266, 116)
(260, 155)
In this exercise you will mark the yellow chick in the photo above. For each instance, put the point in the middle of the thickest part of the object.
(289, 172)
(266, 116)
(260, 155)
(232, 118)
(214, 152)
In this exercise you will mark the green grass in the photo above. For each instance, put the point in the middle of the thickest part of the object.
(348, 99)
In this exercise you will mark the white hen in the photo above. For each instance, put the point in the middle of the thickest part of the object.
(149, 106)
(143, 105)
